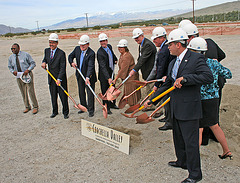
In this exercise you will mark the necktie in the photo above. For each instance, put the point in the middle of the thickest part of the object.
(175, 68)
(81, 59)
(110, 59)
(18, 64)
(51, 56)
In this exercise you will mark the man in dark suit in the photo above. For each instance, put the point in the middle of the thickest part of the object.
(85, 62)
(106, 60)
(185, 102)
(162, 60)
(55, 58)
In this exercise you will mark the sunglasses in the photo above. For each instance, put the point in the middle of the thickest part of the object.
(13, 48)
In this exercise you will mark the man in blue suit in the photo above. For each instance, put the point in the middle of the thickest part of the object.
(85, 62)
(185, 102)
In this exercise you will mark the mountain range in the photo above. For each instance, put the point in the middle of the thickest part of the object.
(7, 29)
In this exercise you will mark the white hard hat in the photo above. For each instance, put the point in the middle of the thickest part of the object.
(25, 78)
(122, 43)
(190, 29)
(177, 35)
(157, 32)
(184, 22)
(53, 37)
(84, 39)
(102, 37)
(137, 32)
(198, 44)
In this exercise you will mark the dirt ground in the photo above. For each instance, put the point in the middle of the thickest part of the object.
(36, 148)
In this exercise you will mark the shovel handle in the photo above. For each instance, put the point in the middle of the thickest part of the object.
(163, 104)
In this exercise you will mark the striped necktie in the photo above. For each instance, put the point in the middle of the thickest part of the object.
(175, 68)
(51, 56)
(110, 59)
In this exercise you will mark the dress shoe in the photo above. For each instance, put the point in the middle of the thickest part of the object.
(35, 111)
(66, 116)
(80, 112)
(165, 127)
(188, 180)
(91, 114)
(163, 120)
(26, 110)
(174, 164)
(53, 115)
(109, 112)
(114, 107)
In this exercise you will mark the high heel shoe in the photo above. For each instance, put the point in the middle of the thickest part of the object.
(226, 155)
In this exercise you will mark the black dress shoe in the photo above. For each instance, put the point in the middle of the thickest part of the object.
(91, 114)
(109, 112)
(53, 115)
(165, 127)
(114, 107)
(188, 180)
(163, 120)
(80, 112)
(176, 165)
(66, 116)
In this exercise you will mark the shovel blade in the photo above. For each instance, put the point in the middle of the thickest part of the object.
(132, 108)
(80, 107)
(144, 118)
(122, 103)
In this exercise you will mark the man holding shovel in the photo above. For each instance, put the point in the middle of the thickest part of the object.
(85, 62)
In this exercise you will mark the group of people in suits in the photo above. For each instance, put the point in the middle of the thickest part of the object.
(180, 67)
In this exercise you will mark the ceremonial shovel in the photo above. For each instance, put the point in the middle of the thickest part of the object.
(153, 100)
(142, 83)
(144, 118)
(78, 106)
(133, 108)
(104, 107)
(113, 92)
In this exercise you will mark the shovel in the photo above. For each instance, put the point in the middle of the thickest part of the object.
(113, 93)
(133, 108)
(144, 118)
(142, 83)
(104, 107)
(123, 101)
(78, 106)
(153, 100)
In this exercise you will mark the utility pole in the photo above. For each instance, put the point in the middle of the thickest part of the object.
(37, 26)
(86, 18)
(193, 10)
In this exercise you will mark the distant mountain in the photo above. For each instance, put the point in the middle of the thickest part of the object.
(106, 19)
(7, 29)
(221, 8)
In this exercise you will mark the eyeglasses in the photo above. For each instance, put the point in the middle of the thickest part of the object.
(13, 48)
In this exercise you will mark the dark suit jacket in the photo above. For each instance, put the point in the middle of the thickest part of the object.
(163, 60)
(104, 72)
(214, 51)
(57, 65)
(185, 102)
(146, 61)
(88, 65)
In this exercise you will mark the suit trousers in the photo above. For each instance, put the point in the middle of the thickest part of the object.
(54, 91)
(186, 143)
(26, 88)
(104, 87)
(82, 87)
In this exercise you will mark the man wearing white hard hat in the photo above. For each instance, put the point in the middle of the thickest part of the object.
(106, 61)
(162, 60)
(186, 73)
(21, 64)
(55, 59)
(85, 62)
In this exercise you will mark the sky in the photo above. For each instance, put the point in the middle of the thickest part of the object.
(30, 13)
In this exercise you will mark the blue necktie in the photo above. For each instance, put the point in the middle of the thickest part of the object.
(110, 59)
(175, 68)
(81, 59)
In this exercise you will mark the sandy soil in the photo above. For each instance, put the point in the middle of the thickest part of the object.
(35, 148)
